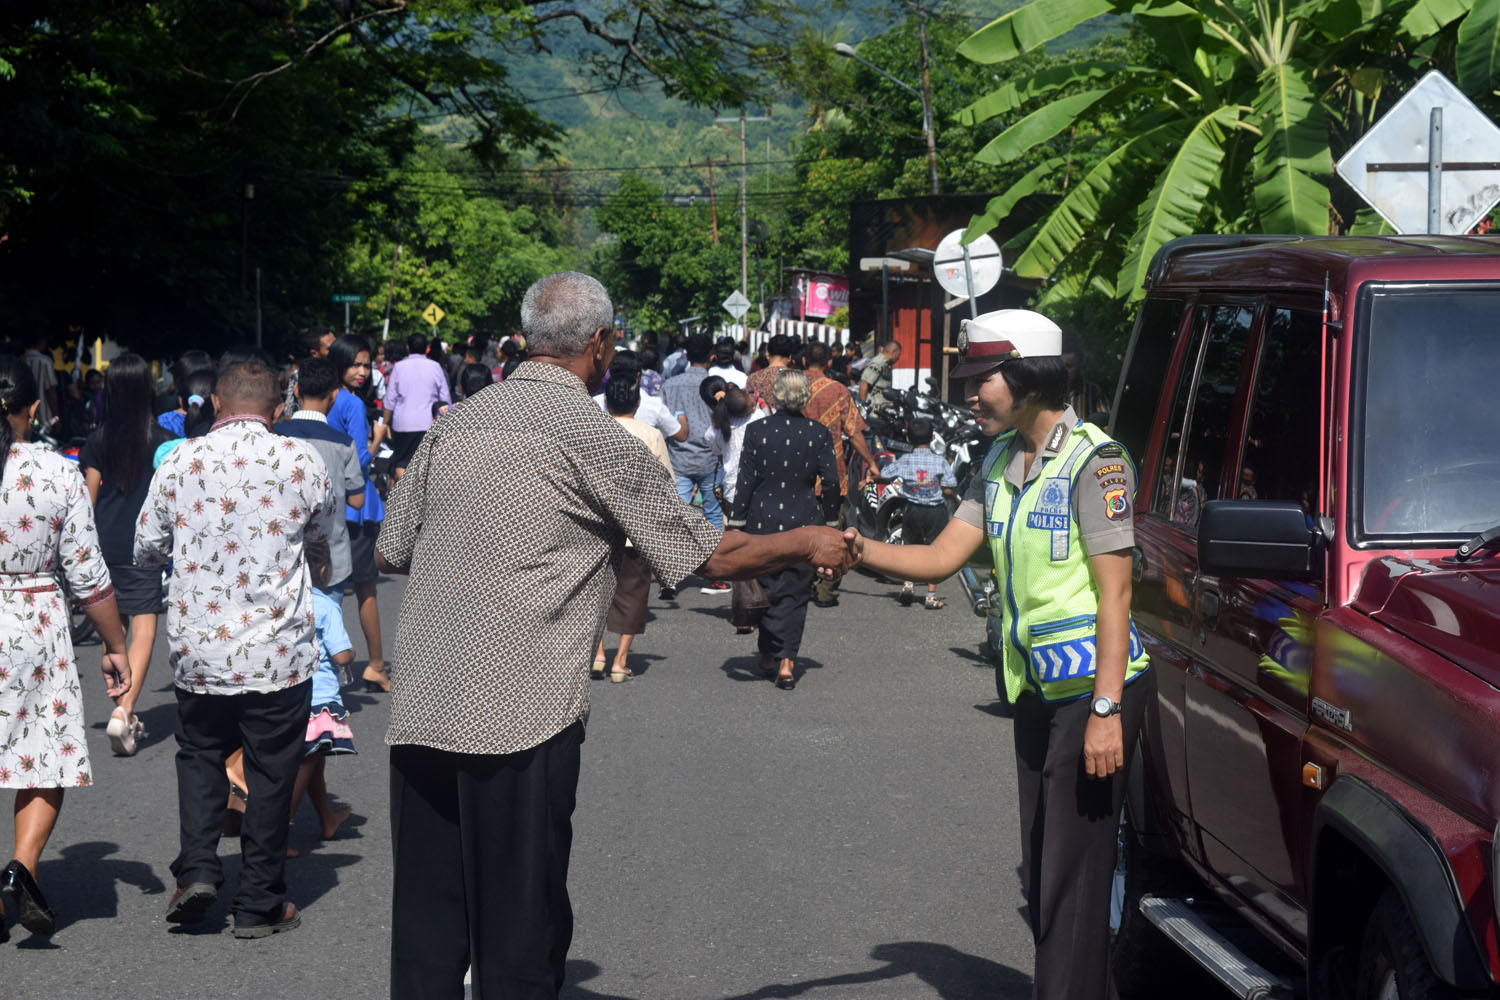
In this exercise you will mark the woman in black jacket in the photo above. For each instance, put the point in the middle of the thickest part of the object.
(785, 457)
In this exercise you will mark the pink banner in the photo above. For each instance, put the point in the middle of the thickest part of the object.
(822, 294)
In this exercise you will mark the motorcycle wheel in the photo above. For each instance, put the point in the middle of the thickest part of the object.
(890, 531)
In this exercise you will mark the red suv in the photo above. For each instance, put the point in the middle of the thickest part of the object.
(1317, 422)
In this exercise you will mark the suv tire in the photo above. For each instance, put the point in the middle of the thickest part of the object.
(1392, 965)
(1144, 962)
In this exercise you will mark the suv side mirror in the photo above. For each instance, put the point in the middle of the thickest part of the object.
(1267, 539)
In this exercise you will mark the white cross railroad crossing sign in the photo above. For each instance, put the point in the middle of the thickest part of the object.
(1401, 166)
(433, 314)
(737, 305)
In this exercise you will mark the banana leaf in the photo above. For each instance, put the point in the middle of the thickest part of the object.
(1078, 216)
(1018, 92)
(1041, 125)
(1176, 202)
(1478, 54)
(1292, 148)
(1000, 206)
(1427, 17)
(1024, 28)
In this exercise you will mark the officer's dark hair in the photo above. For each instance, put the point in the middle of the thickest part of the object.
(1037, 380)
(920, 432)
(17, 392)
(622, 396)
(416, 344)
(317, 378)
(700, 347)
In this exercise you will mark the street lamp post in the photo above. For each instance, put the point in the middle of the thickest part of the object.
(925, 94)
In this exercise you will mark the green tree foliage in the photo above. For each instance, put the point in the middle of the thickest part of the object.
(461, 248)
(1228, 122)
(154, 155)
(659, 260)
(866, 141)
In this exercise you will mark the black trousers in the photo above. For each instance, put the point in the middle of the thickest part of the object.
(481, 844)
(788, 590)
(1069, 826)
(271, 727)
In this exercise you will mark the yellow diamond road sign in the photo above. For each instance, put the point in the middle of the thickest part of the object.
(433, 314)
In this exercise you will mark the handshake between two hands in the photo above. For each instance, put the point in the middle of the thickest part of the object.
(835, 552)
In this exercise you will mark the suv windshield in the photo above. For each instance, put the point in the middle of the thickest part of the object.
(1429, 462)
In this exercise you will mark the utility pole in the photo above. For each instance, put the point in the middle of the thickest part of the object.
(744, 208)
(927, 128)
(385, 330)
(713, 208)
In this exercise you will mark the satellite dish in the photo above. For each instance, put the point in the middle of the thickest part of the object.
(984, 265)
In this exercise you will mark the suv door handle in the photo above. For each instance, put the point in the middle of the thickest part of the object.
(1208, 608)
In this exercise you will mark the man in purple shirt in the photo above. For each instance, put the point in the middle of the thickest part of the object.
(415, 384)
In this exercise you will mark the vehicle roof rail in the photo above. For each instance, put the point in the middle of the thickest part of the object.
(1208, 241)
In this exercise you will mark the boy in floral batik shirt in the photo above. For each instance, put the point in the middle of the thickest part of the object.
(232, 510)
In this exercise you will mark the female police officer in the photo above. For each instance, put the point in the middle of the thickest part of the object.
(1055, 504)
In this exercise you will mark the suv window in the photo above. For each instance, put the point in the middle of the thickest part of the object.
(1145, 371)
(1427, 466)
(1279, 457)
(1201, 416)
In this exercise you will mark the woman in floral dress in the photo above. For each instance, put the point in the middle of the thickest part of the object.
(46, 534)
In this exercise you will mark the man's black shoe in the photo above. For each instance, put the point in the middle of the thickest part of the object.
(667, 594)
(827, 604)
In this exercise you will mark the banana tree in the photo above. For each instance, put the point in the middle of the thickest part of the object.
(1228, 129)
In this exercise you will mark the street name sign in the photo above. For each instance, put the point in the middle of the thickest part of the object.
(347, 297)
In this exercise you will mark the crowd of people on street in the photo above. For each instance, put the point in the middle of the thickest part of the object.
(247, 499)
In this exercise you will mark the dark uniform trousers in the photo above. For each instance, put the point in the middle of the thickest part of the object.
(481, 845)
(1069, 836)
(272, 728)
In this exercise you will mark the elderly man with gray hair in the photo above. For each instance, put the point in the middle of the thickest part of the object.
(498, 626)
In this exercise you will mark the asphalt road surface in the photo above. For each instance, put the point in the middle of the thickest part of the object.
(853, 838)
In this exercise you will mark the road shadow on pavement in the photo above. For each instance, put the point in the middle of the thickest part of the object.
(581, 972)
(747, 668)
(83, 882)
(953, 974)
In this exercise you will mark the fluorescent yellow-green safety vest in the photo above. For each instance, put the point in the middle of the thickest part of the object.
(1050, 596)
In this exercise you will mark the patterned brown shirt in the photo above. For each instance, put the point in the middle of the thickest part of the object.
(511, 519)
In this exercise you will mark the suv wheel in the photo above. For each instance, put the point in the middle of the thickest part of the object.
(1392, 965)
(1145, 963)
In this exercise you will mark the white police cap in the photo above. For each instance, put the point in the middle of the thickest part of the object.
(989, 340)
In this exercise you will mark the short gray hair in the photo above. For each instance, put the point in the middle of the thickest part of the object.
(790, 391)
(562, 311)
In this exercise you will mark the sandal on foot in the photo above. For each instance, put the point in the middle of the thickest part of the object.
(908, 593)
(124, 732)
(933, 602)
(596, 672)
(190, 902)
(290, 920)
(621, 676)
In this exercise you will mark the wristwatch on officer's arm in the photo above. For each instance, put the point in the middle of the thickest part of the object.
(1104, 706)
